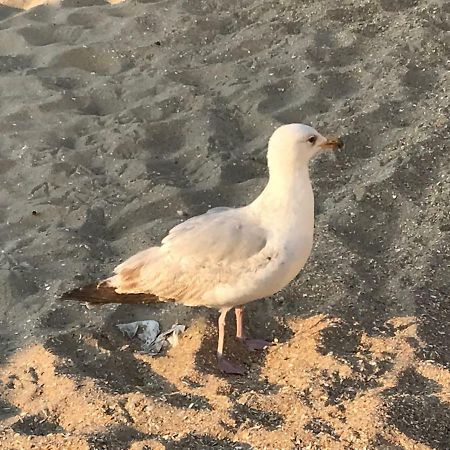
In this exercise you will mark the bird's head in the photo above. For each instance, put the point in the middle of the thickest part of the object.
(295, 144)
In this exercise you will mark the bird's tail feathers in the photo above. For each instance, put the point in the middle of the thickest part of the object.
(103, 292)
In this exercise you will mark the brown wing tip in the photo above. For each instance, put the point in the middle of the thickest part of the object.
(93, 293)
(103, 293)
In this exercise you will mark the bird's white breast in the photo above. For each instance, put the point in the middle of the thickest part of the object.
(286, 252)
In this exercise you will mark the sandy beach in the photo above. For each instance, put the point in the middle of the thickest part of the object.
(119, 121)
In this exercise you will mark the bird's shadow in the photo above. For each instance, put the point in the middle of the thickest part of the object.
(108, 357)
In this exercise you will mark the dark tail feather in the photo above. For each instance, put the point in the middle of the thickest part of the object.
(99, 294)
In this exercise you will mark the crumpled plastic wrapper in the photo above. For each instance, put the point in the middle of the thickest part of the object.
(148, 331)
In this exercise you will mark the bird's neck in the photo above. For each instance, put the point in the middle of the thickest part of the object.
(287, 191)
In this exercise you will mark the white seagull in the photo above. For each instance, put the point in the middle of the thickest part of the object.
(229, 257)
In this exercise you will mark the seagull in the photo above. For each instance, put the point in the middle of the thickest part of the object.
(229, 257)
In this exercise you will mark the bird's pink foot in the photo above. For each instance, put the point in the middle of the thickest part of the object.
(229, 367)
(256, 344)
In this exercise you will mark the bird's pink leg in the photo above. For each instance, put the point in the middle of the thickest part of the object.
(225, 365)
(251, 344)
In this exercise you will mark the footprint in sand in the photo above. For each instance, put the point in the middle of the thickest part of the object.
(100, 61)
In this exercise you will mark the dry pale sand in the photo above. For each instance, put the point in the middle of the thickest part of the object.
(116, 120)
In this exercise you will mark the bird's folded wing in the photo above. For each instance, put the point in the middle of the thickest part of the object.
(194, 257)
(222, 235)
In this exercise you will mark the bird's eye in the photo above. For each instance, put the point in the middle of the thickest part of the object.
(312, 139)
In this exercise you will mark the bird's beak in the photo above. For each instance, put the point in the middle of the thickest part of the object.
(332, 143)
